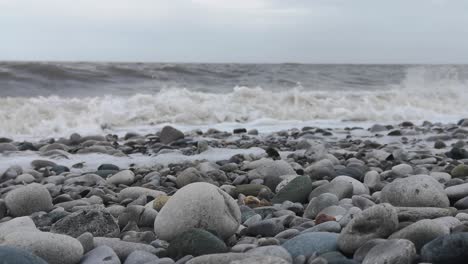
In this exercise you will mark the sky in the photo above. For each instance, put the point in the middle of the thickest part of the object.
(269, 31)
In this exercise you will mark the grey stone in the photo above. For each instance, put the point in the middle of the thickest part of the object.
(295, 191)
(402, 170)
(399, 251)
(24, 223)
(260, 260)
(358, 187)
(53, 248)
(265, 228)
(141, 257)
(460, 171)
(341, 189)
(87, 241)
(275, 251)
(191, 175)
(223, 258)
(309, 244)
(170, 134)
(330, 226)
(95, 221)
(10, 255)
(135, 192)
(198, 205)
(267, 167)
(379, 221)
(362, 251)
(28, 199)
(123, 248)
(195, 242)
(100, 255)
(319, 203)
(6, 147)
(126, 177)
(457, 191)
(421, 232)
(415, 191)
(446, 249)
(413, 214)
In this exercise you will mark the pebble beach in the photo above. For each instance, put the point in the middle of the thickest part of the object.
(308, 195)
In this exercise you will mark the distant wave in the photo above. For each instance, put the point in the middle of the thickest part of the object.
(43, 116)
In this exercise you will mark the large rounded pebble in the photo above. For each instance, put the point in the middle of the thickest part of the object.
(261, 260)
(415, 191)
(319, 203)
(123, 248)
(341, 189)
(276, 251)
(460, 171)
(53, 248)
(97, 222)
(265, 228)
(126, 177)
(10, 255)
(446, 249)
(24, 223)
(135, 192)
(399, 251)
(169, 134)
(457, 191)
(312, 243)
(28, 199)
(358, 187)
(379, 221)
(362, 251)
(223, 258)
(195, 242)
(100, 255)
(198, 205)
(5, 147)
(296, 190)
(402, 170)
(141, 257)
(421, 232)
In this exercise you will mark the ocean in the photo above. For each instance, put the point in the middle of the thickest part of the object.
(53, 99)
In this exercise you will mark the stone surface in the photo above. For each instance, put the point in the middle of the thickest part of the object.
(312, 243)
(362, 251)
(11, 255)
(415, 191)
(399, 251)
(446, 249)
(265, 228)
(100, 255)
(275, 251)
(421, 232)
(123, 248)
(457, 191)
(223, 258)
(341, 189)
(135, 192)
(414, 214)
(95, 221)
(358, 187)
(141, 257)
(198, 205)
(125, 177)
(24, 223)
(295, 191)
(319, 203)
(195, 242)
(53, 248)
(379, 221)
(28, 199)
(260, 260)
(460, 171)
(170, 134)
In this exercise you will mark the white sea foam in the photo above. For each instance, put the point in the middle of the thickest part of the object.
(415, 99)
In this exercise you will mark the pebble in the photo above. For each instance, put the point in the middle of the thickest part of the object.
(446, 249)
(195, 242)
(391, 251)
(28, 199)
(311, 243)
(10, 255)
(100, 255)
(200, 204)
(421, 232)
(95, 221)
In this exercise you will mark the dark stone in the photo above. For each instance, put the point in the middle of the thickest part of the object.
(448, 249)
(273, 153)
(59, 169)
(439, 144)
(97, 222)
(250, 189)
(239, 131)
(272, 181)
(10, 255)
(195, 242)
(296, 190)
(110, 167)
(394, 133)
(457, 153)
(105, 173)
(265, 228)
(170, 134)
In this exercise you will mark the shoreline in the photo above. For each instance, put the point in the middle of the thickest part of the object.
(297, 195)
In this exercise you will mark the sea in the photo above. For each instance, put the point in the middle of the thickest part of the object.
(56, 99)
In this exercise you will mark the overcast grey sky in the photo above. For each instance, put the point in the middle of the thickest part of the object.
(314, 31)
